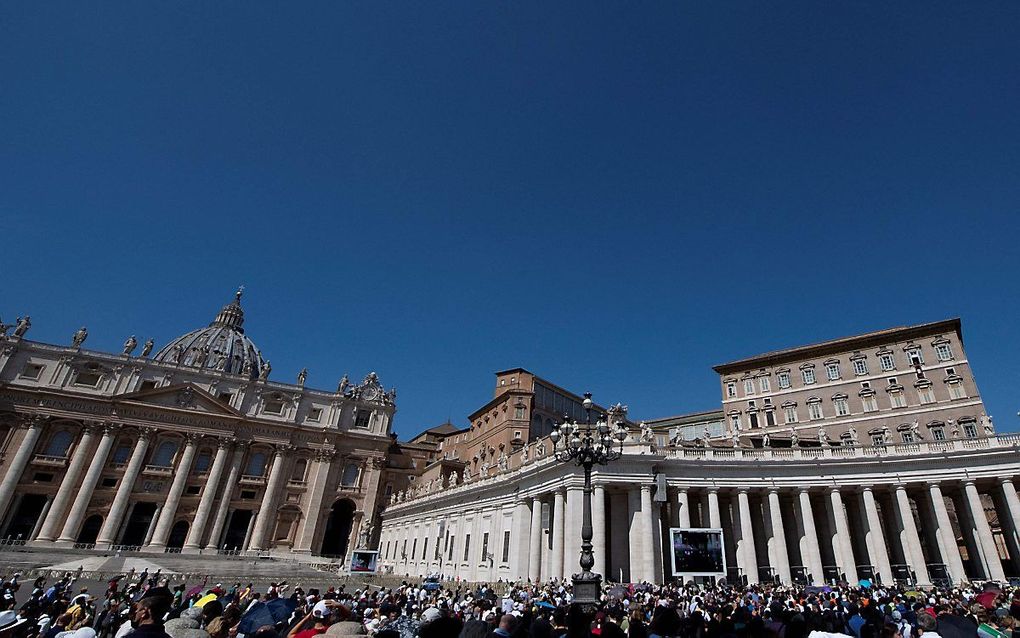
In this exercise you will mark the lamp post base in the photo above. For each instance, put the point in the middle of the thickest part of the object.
(587, 591)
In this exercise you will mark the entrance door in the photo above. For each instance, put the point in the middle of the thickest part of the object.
(26, 516)
(90, 529)
(178, 534)
(138, 524)
(237, 529)
(338, 529)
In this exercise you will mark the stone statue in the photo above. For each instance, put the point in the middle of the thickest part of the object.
(853, 436)
(302, 376)
(823, 438)
(343, 385)
(735, 438)
(524, 455)
(264, 372)
(503, 462)
(453, 479)
(915, 428)
(467, 474)
(540, 449)
(646, 432)
(794, 438)
(986, 423)
(365, 537)
(954, 429)
(79, 336)
(4, 327)
(22, 326)
(221, 360)
(147, 348)
(483, 470)
(130, 345)
(201, 357)
(706, 435)
(246, 368)
(766, 441)
(176, 353)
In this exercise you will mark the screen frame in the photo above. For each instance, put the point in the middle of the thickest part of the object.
(374, 562)
(673, 531)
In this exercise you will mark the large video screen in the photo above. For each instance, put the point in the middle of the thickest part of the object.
(697, 552)
(362, 561)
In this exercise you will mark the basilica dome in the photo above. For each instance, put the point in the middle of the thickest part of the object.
(220, 346)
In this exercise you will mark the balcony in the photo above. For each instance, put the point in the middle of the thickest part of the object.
(297, 484)
(248, 479)
(49, 461)
(158, 470)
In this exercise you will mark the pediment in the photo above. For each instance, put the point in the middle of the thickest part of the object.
(180, 396)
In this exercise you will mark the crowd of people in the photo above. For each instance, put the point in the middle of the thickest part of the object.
(151, 606)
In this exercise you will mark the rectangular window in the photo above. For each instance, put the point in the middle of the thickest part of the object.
(519, 412)
(970, 430)
(753, 418)
(815, 411)
(748, 386)
(314, 415)
(770, 418)
(361, 420)
(870, 404)
(731, 390)
(908, 437)
(414, 549)
(832, 371)
(791, 414)
(926, 395)
(897, 400)
(956, 390)
(31, 371)
(915, 357)
(842, 408)
(485, 546)
(506, 546)
(273, 407)
(453, 542)
(860, 366)
(809, 375)
(90, 379)
(734, 422)
(938, 433)
(886, 362)
(425, 549)
(943, 352)
(763, 383)
(467, 547)
(784, 380)
(877, 439)
(403, 550)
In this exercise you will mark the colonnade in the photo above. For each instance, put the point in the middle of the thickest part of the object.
(808, 534)
(60, 523)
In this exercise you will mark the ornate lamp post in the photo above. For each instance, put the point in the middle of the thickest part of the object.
(589, 445)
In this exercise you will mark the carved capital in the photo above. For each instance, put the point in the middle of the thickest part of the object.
(223, 443)
(29, 421)
(146, 434)
(325, 455)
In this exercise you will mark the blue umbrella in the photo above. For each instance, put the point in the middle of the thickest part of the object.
(865, 583)
(261, 614)
(546, 605)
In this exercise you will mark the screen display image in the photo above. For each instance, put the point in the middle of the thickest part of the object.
(697, 552)
(363, 561)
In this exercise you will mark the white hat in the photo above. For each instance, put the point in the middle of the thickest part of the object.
(431, 615)
(9, 619)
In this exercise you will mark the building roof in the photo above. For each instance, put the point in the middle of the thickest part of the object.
(842, 344)
(684, 419)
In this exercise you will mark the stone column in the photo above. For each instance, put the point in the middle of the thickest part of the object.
(572, 533)
(152, 524)
(266, 515)
(173, 497)
(316, 492)
(598, 526)
(648, 549)
(9, 485)
(909, 538)
(205, 505)
(535, 551)
(83, 494)
(987, 551)
(875, 538)
(946, 537)
(746, 552)
(811, 552)
(522, 529)
(714, 518)
(683, 508)
(559, 514)
(49, 530)
(1009, 496)
(107, 535)
(782, 557)
(844, 547)
(228, 492)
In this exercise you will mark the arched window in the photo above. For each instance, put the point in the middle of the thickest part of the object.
(59, 444)
(164, 456)
(299, 470)
(256, 464)
(122, 453)
(350, 477)
(203, 461)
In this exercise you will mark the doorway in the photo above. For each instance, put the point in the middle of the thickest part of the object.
(338, 529)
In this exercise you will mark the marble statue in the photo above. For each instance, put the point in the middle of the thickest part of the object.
(147, 348)
(503, 462)
(524, 455)
(221, 360)
(986, 423)
(177, 353)
(915, 428)
(79, 336)
(794, 438)
(453, 479)
(22, 326)
(365, 537)
(954, 429)
(246, 368)
(823, 438)
(302, 376)
(736, 438)
(705, 434)
(343, 385)
(130, 345)
(483, 469)
(467, 474)
(540, 449)
(853, 436)
(646, 432)
(766, 441)
(201, 357)
(4, 327)
(264, 372)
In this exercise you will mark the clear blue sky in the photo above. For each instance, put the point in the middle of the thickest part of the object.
(614, 195)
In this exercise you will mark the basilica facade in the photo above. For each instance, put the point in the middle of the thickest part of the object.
(191, 448)
(868, 457)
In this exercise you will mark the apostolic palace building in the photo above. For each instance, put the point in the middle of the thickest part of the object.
(863, 457)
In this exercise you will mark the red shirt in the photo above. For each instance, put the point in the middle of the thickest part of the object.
(309, 633)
